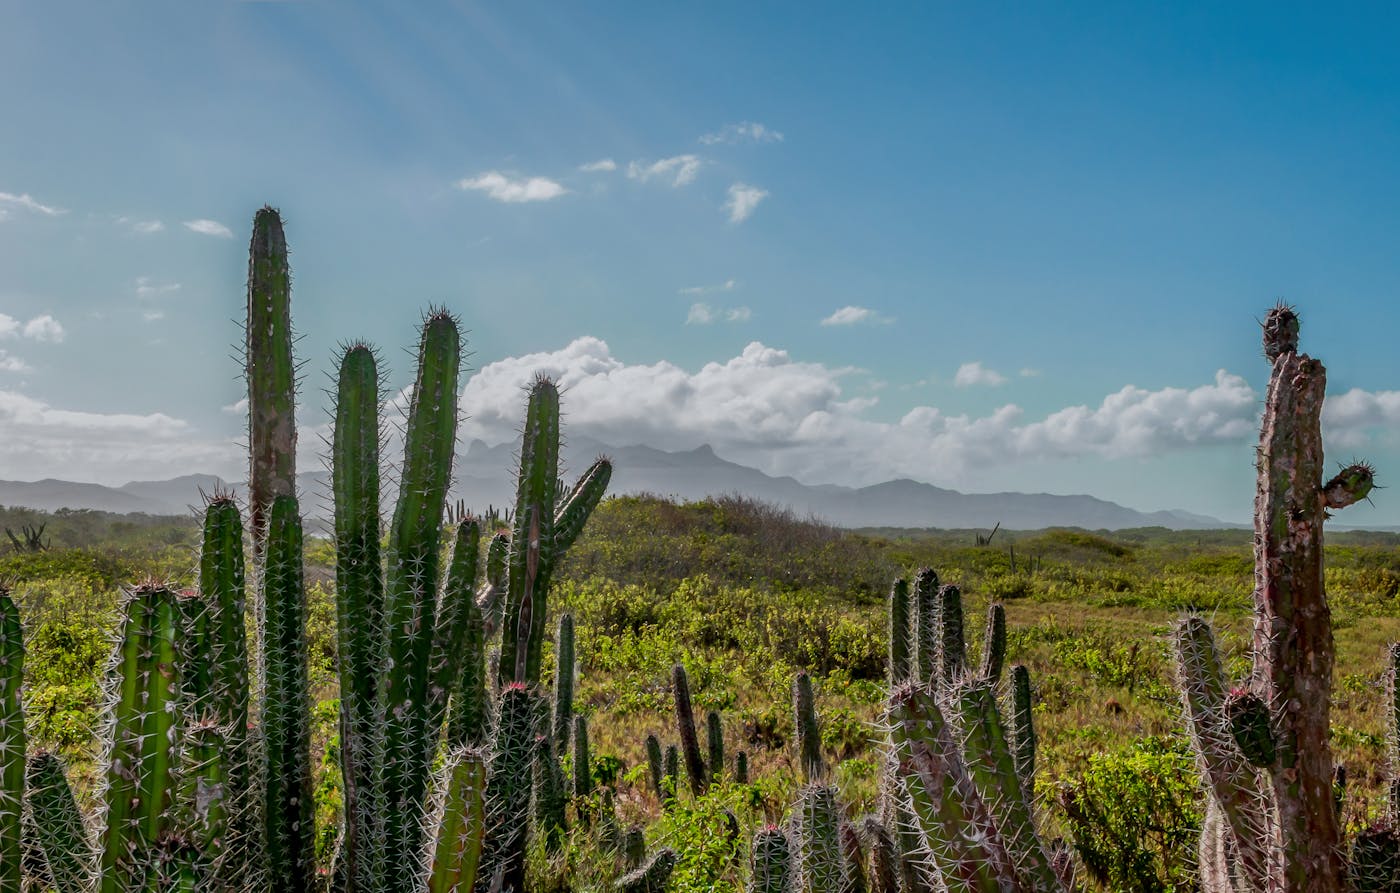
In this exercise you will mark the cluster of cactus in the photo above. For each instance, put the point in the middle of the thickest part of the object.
(701, 768)
(956, 801)
(1272, 817)
(194, 795)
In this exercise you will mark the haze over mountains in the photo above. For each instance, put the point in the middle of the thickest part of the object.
(485, 476)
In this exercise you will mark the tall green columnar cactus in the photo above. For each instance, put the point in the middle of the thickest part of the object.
(271, 372)
(1393, 733)
(654, 764)
(1280, 818)
(63, 838)
(289, 830)
(410, 589)
(551, 795)
(816, 825)
(1021, 728)
(900, 628)
(143, 683)
(458, 624)
(685, 725)
(508, 791)
(771, 870)
(564, 673)
(12, 743)
(993, 644)
(952, 644)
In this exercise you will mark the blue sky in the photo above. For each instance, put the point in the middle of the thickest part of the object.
(1036, 234)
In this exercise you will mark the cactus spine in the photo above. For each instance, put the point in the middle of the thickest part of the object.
(12, 743)
(1264, 748)
(271, 374)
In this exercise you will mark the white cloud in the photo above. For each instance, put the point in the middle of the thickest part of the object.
(41, 328)
(236, 408)
(680, 169)
(148, 289)
(1350, 419)
(742, 201)
(1028, 372)
(765, 409)
(702, 314)
(970, 374)
(44, 328)
(602, 165)
(741, 132)
(144, 227)
(209, 228)
(11, 363)
(513, 190)
(27, 202)
(726, 285)
(851, 315)
(43, 440)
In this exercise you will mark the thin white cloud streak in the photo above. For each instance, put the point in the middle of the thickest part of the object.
(27, 202)
(513, 190)
(207, 227)
(765, 409)
(681, 170)
(148, 289)
(144, 227)
(742, 201)
(851, 315)
(974, 373)
(726, 285)
(702, 314)
(744, 131)
(601, 166)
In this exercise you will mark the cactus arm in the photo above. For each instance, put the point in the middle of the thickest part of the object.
(951, 817)
(925, 631)
(952, 645)
(993, 644)
(993, 770)
(12, 743)
(685, 724)
(410, 589)
(457, 612)
(808, 732)
(58, 824)
(271, 373)
(565, 670)
(1232, 784)
(580, 503)
(899, 630)
(461, 824)
(1293, 648)
(287, 806)
(532, 547)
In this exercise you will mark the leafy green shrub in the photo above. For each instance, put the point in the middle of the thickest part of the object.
(1133, 816)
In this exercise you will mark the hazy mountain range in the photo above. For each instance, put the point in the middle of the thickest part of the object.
(485, 476)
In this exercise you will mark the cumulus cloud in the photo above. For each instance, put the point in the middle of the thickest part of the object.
(970, 374)
(851, 315)
(111, 447)
(602, 165)
(25, 201)
(513, 190)
(702, 314)
(743, 199)
(207, 227)
(744, 131)
(11, 363)
(41, 328)
(680, 169)
(1352, 418)
(765, 409)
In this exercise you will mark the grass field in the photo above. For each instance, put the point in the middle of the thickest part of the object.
(745, 596)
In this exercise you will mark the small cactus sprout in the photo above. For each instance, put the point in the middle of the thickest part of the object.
(809, 739)
(690, 740)
(714, 734)
(771, 871)
(652, 876)
(1249, 722)
(655, 766)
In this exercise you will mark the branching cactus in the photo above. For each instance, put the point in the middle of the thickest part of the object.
(1263, 746)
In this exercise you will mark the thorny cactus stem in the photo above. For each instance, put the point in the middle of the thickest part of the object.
(1392, 679)
(12, 743)
(271, 372)
(685, 723)
(808, 732)
(900, 627)
(772, 862)
(993, 644)
(565, 670)
(816, 821)
(461, 823)
(925, 632)
(63, 838)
